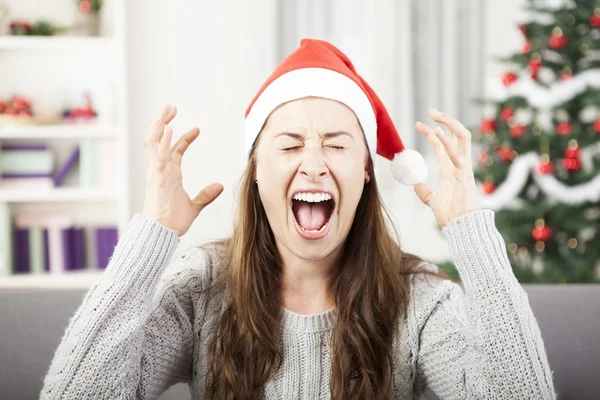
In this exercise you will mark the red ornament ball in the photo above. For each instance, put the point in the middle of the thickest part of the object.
(595, 21)
(518, 130)
(564, 128)
(545, 168)
(541, 234)
(488, 186)
(571, 152)
(571, 164)
(557, 42)
(509, 78)
(507, 113)
(566, 76)
(506, 154)
(534, 65)
(526, 47)
(85, 6)
(487, 125)
(597, 126)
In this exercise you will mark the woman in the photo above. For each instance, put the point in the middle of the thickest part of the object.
(310, 297)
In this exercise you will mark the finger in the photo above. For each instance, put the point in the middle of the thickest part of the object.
(456, 128)
(167, 120)
(425, 193)
(183, 143)
(155, 130)
(164, 148)
(456, 159)
(432, 138)
(207, 195)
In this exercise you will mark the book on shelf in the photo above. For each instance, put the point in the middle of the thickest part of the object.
(33, 166)
(26, 159)
(43, 242)
(63, 170)
(106, 240)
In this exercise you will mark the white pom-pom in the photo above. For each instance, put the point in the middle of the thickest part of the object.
(408, 167)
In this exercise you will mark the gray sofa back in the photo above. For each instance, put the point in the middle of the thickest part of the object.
(33, 321)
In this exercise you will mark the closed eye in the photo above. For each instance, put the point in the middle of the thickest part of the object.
(292, 148)
(332, 146)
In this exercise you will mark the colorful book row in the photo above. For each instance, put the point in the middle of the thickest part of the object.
(43, 243)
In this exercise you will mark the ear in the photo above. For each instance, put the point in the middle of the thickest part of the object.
(367, 175)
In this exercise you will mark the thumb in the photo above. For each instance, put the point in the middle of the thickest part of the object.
(207, 195)
(424, 192)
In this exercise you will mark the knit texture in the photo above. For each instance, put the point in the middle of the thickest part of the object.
(147, 322)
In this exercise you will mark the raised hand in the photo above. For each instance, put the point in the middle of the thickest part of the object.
(457, 191)
(165, 200)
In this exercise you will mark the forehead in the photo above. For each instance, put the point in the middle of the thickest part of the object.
(313, 113)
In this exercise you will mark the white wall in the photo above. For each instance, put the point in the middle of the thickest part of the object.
(209, 59)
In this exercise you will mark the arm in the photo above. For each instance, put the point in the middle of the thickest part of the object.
(485, 342)
(121, 343)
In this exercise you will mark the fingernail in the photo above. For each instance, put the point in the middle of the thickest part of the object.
(439, 130)
(434, 112)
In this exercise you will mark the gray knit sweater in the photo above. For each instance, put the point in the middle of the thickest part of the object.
(145, 325)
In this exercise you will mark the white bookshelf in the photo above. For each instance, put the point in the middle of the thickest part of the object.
(61, 131)
(58, 43)
(58, 195)
(39, 68)
(70, 280)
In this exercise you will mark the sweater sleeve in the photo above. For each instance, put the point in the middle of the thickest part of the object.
(483, 342)
(132, 335)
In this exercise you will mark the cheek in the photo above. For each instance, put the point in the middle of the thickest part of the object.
(274, 175)
(350, 177)
(274, 172)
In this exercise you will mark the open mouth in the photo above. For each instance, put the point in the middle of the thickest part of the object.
(312, 211)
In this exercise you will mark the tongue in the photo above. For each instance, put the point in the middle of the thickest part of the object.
(311, 216)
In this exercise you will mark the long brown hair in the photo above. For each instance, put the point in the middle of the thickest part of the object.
(370, 288)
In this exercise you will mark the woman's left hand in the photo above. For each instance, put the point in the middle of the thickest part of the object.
(457, 193)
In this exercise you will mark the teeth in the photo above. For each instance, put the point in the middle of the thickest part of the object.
(312, 197)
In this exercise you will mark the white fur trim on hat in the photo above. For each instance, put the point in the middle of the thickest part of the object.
(317, 82)
(408, 167)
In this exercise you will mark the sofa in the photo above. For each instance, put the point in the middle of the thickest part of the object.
(32, 322)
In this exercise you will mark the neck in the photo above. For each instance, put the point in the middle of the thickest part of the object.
(306, 284)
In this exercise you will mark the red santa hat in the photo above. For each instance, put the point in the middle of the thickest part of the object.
(319, 69)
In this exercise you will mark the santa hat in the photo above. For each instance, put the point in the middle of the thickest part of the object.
(319, 69)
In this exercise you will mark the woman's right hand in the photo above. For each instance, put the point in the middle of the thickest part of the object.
(166, 201)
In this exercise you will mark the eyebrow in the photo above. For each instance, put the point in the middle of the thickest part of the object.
(327, 135)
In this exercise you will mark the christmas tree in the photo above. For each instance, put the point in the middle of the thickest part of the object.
(539, 143)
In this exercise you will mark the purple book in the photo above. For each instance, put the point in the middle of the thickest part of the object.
(106, 240)
(21, 249)
(61, 173)
(46, 251)
(17, 146)
(78, 249)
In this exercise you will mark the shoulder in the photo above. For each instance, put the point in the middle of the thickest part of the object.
(429, 290)
(191, 272)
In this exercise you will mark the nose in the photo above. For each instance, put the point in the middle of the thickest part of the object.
(313, 166)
